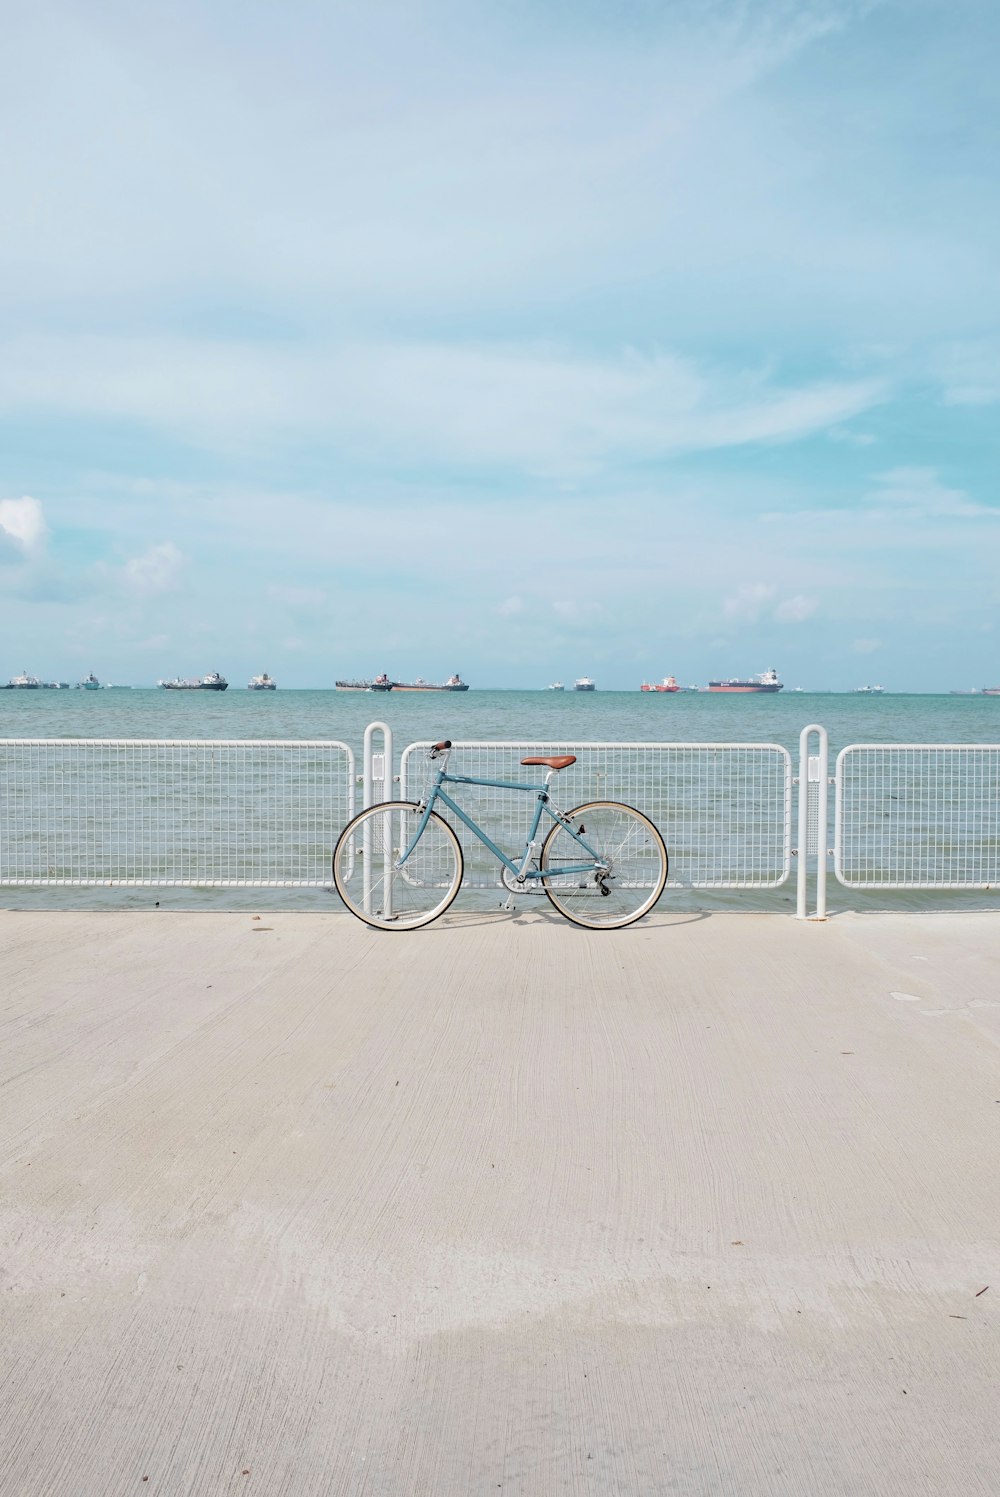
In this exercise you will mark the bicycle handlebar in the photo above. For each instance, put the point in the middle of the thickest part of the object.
(439, 748)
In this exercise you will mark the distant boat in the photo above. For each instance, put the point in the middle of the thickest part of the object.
(453, 683)
(973, 691)
(766, 681)
(380, 683)
(212, 682)
(555, 686)
(262, 683)
(868, 691)
(669, 683)
(991, 691)
(23, 682)
(584, 683)
(89, 683)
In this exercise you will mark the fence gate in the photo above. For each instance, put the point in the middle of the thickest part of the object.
(918, 816)
(724, 808)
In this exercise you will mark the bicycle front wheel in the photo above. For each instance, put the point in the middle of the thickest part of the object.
(387, 897)
(633, 867)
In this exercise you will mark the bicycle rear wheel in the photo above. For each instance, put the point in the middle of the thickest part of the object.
(387, 897)
(635, 860)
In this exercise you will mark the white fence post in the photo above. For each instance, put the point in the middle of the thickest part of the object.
(376, 788)
(377, 766)
(813, 796)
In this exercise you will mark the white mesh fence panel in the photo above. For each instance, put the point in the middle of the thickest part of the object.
(724, 809)
(194, 812)
(918, 816)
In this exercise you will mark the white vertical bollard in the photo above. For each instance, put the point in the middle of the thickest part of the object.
(376, 779)
(813, 772)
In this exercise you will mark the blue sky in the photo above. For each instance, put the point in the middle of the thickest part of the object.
(525, 340)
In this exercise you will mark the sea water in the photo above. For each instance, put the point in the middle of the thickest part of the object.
(566, 717)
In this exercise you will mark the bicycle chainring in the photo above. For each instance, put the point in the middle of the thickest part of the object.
(530, 885)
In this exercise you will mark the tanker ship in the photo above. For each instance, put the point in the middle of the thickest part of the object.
(766, 681)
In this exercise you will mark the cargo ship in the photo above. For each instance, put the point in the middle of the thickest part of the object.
(212, 682)
(262, 682)
(380, 683)
(584, 683)
(766, 681)
(669, 683)
(453, 683)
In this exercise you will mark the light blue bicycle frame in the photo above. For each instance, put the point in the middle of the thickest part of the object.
(519, 870)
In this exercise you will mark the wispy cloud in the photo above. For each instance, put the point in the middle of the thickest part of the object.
(509, 406)
(437, 150)
(970, 374)
(918, 494)
(904, 494)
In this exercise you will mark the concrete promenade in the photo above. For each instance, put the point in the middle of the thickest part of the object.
(706, 1206)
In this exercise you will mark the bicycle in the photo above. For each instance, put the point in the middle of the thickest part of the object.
(399, 865)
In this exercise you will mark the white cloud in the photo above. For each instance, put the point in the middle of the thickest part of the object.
(796, 610)
(155, 571)
(23, 524)
(748, 601)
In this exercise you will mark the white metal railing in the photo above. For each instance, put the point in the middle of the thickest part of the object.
(724, 809)
(253, 813)
(917, 816)
(266, 813)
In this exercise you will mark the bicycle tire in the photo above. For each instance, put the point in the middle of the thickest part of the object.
(397, 898)
(637, 863)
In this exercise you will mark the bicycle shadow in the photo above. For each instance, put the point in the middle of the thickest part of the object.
(458, 920)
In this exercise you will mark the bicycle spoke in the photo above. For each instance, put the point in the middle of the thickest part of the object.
(385, 895)
(632, 850)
